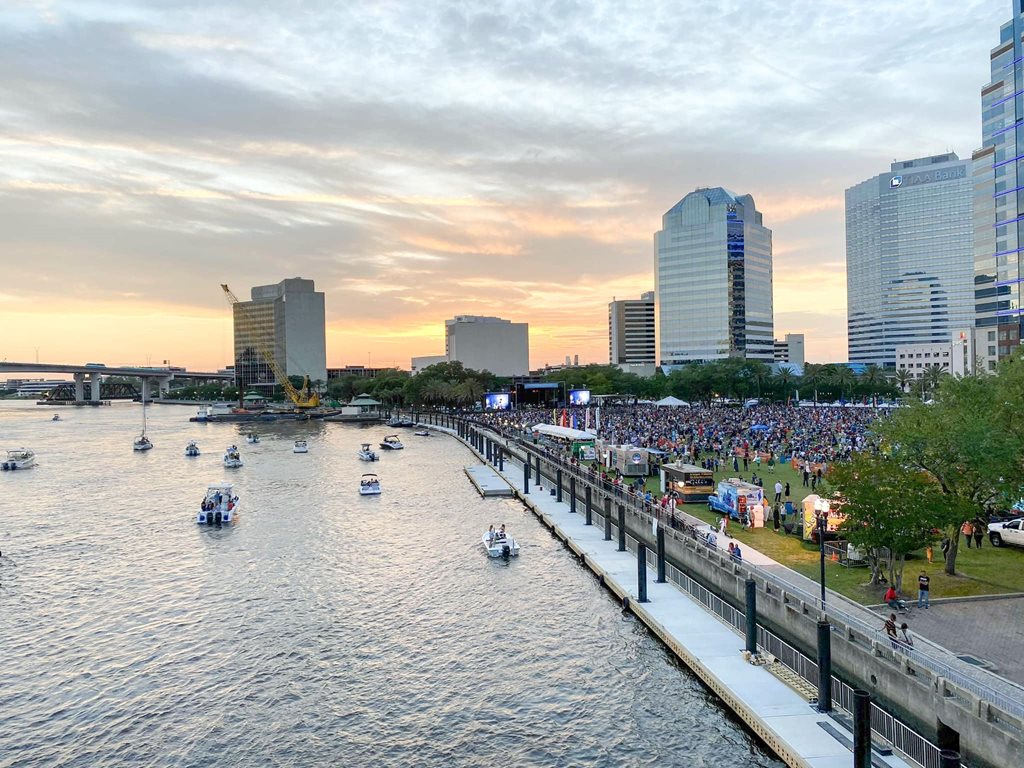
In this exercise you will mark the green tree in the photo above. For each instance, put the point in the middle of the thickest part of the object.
(903, 378)
(891, 510)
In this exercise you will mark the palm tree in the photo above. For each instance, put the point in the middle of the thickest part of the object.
(844, 378)
(903, 377)
(783, 380)
(815, 375)
(932, 377)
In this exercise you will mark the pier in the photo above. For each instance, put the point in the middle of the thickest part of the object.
(487, 482)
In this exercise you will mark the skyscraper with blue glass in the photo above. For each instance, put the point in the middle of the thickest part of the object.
(713, 280)
(999, 199)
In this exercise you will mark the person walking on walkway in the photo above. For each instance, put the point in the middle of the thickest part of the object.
(890, 629)
(923, 583)
(905, 637)
(967, 529)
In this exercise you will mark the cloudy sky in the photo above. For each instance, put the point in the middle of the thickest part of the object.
(424, 159)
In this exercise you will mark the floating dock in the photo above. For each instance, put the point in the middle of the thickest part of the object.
(488, 482)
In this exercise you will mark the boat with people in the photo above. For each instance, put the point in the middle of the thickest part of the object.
(422, 433)
(300, 447)
(192, 449)
(366, 454)
(232, 459)
(369, 485)
(392, 443)
(252, 438)
(497, 543)
(20, 458)
(56, 417)
(220, 505)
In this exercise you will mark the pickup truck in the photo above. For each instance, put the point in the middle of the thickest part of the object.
(1008, 532)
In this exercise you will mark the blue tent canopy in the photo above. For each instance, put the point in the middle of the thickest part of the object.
(759, 428)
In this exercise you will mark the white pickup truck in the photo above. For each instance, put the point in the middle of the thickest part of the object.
(1007, 532)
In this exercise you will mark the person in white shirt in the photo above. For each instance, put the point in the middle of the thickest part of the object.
(778, 491)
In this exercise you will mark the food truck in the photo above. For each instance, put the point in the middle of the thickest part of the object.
(688, 481)
(833, 517)
(736, 498)
(584, 450)
(628, 460)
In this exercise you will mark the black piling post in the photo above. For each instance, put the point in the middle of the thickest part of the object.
(501, 459)
(622, 527)
(750, 591)
(661, 554)
(589, 506)
(824, 666)
(949, 758)
(487, 445)
(641, 572)
(572, 493)
(558, 484)
(607, 519)
(526, 474)
(861, 729)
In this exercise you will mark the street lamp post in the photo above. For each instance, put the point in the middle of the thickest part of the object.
(821, 507)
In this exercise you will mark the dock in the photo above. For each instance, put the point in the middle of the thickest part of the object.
(488, 482)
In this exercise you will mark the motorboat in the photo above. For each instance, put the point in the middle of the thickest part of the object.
(500, 545)
(422, 433)
(56, 417)
(202, 416)
(22, 458)
(231, 457)
(369, 485)
(300, 447)
(192, 449)
(392, 443)
(366, 454)
(142, 443)
(398, 421)
(252, 438)
(220, 505)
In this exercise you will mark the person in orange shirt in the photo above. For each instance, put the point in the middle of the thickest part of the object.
(967, 529)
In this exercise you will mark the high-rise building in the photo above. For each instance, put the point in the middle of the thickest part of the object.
(790, 349)
(713, 280)
(488, 344)
(631, 338)
(287, 320)
(999, 199)
(909, 257)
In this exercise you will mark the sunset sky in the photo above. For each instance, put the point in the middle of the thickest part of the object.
(426, 159)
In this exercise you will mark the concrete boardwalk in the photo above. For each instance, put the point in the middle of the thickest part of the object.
(487, 482)
(775, 712)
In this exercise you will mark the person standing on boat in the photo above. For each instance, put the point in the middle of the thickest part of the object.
(490, 535)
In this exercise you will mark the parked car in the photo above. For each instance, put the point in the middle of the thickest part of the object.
(1010, 532)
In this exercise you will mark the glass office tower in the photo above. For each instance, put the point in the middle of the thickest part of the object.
(909, 257)
(713, 280)
(999, 199)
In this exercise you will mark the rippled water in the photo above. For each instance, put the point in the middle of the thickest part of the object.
(323, 628)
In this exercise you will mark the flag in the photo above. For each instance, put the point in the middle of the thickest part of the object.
(597, 416)
(587, 427)
(564, 421)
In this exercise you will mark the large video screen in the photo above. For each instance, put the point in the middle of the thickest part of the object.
(497, 401)
(579, 397)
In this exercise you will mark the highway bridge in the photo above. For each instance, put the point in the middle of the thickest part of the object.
(160, 377)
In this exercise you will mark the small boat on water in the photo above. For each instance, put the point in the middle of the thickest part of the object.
(192, 449)
(21, 458)
(398, 421)
(422, 433)
(366, 454)
(369, 485)
(392, 443)
(56, 417)
(219, 505)
(252, 438)
(499, 544)
(232, 459)
(142, 443)
(300, 447)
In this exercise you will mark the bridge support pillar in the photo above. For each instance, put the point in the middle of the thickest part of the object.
(164, 385)
(79, 387)
(145, 389)
(94, 387)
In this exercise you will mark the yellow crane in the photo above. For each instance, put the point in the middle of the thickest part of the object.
(304, 398)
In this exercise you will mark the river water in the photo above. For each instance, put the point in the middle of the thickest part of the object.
(323, 628)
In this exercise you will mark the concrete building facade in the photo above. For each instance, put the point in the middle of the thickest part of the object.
(631, 334)
(909, 257)
(287, 320)
(488, 344)
(790, 349)
(713, 280)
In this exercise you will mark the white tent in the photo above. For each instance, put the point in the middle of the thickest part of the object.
(553, 430)
(671, 402)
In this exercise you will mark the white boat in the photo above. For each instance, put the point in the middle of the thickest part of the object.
(422, 433)
(219, 505)
(300, 447)
(392, 443)
(22, 458)
(252, 438)
(500, 545)
(231, 457)
(142, 443)
(369, 485)
(366, 454)
(192, 449)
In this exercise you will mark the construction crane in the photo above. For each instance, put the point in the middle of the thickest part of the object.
(301, 398)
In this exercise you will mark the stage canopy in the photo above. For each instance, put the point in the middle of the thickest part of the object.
(553, 430)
